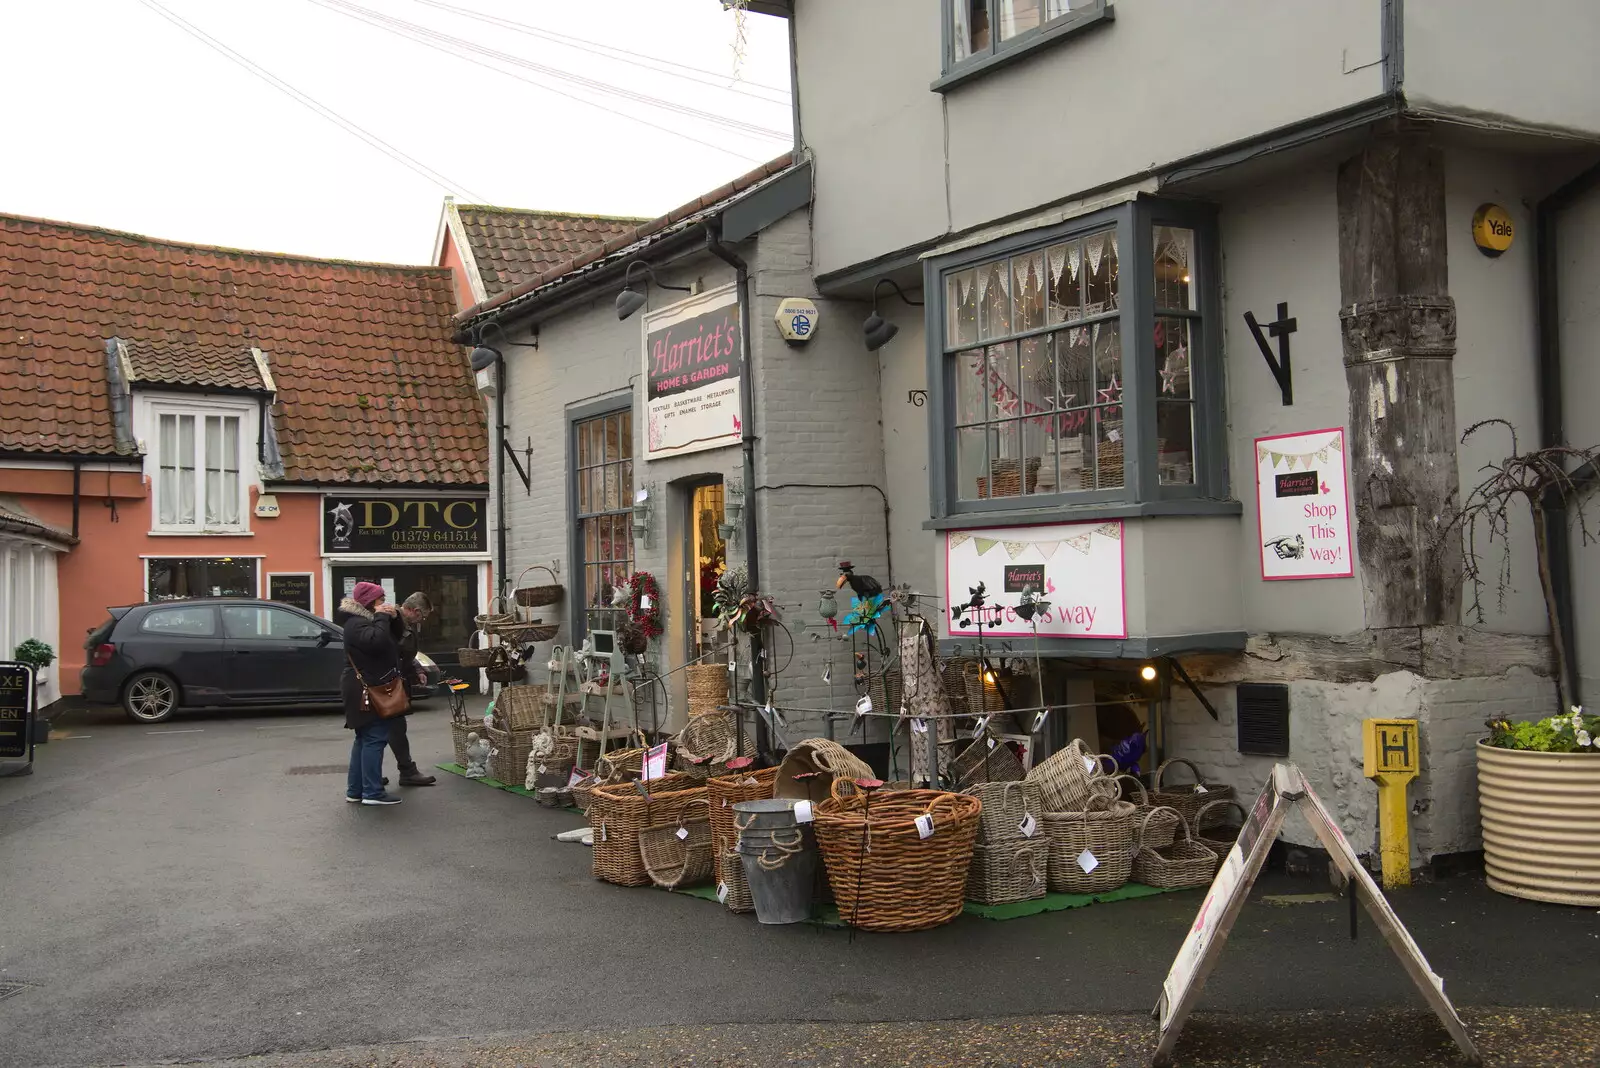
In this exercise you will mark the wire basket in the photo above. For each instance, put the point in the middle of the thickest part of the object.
(1091, 851)
(885, 875)
(810, 768)
(619, 811)
(1008, 871)
(987, 759)
(1006, 805)
(708, 688)
(538, 596)
(1188, 797)
(678, 853)
(1180, 866)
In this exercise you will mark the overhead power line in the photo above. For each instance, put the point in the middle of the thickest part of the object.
(426, 34)
(755, 90)
(443, 181)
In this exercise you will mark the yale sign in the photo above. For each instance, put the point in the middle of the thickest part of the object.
(1492, 229)
(797, 319)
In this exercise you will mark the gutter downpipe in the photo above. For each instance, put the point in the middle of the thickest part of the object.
(752, 552)
(499, 476)
(1552, 421)
(77, 493)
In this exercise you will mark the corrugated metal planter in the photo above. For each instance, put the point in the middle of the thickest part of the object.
(1541, 824)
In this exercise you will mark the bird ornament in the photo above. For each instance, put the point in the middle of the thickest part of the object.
(477, 756)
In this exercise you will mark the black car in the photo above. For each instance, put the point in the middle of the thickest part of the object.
(155, 658)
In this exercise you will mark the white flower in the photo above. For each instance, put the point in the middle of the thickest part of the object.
(1583, 738)
(1577, 710)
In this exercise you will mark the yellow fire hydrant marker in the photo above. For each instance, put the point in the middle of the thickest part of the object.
(1389, 758)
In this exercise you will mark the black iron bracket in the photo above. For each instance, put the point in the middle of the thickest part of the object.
(1282, 369)
(522, 472)
(1187, 681)
(917, 397)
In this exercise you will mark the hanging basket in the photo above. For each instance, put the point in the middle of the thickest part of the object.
(620, 811)
(1104, 831)
(1180, 866)
(885, 690)
(708, 688)
(538, 596)
(1008, 871)
(954, 676)
(516, 633)
(474, 655)
(1186, 798)
(495, 615)
(827, 759)
(678, 853)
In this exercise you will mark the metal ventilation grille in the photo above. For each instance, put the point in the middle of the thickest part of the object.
(1263, 719)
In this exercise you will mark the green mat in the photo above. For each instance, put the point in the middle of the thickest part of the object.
(520, 791)
(821, 915)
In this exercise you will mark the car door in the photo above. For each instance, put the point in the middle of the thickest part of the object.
(185, 641)
(276, 655)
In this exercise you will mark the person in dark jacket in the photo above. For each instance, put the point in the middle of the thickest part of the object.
(413, 611)
(370, 646)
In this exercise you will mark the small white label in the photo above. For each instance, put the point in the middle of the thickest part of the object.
(924, 824)
(1088, 765)
(1113, 435)
(863, 706)
(646, 602)
(722, 893)
(1088, 861)
(919, 726)
(682, 833)
(1200, 788)
(991, 743)
(802, 812)
(603, 835)
(1029, 826)
(1038, 721)
(542, 769)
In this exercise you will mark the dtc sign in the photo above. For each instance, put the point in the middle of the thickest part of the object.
(368, 525)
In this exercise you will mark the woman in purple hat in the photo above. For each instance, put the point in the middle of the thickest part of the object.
(370, 644)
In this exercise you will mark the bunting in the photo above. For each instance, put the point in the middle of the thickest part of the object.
(1046, 547)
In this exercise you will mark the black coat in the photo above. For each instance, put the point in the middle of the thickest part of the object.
(371, 640)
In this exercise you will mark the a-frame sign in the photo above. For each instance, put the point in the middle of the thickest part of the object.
(17, 695)
(1287, 789)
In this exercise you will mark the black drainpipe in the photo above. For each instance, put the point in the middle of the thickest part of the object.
(752, 553)
(77, 493)
(1552, 423)
(499, 475)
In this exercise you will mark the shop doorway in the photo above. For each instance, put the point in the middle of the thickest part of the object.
(707, 554)
(451, 588)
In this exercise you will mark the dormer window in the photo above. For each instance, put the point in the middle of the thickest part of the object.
(200, 486)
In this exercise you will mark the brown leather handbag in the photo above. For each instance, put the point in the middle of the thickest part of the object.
(391, 699)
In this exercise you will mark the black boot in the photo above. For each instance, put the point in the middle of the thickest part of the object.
(411, 775)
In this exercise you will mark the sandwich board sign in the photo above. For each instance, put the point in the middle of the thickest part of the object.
(16, 716)
(1286, 789)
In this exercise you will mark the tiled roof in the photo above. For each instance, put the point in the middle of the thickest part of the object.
(633, 241)
(370, 387)
(180, 363)
(511, 246)
(17, 519)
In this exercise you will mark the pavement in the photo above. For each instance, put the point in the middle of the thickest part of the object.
(199, 891)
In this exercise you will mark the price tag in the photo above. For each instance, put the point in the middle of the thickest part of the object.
(991, 743)
(646, 602)
(1038, 721)
(1029, 826)
(603, 836)
(924, 824)
(731, 660)
(920, 726)
(802, 812)
(1200, 788)
(1088, 765)
(863, 705)
(1088, 861)
(682, 833)
(722, 893)
(542, 769)
(655, 762)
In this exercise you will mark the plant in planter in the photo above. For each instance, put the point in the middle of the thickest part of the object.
(36, 653)
(1538, 782)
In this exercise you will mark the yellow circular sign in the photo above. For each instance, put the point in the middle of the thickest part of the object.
(1492, 229)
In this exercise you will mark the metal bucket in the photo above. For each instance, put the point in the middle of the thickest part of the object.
(779, 857)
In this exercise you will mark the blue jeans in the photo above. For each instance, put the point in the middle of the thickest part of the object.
(366, 761)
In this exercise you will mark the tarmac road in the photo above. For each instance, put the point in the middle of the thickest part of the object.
(200, 890)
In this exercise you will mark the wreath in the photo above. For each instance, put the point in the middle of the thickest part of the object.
(646, 621)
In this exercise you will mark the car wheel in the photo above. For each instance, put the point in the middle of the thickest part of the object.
(150, 697)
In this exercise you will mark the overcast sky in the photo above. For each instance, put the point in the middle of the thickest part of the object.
(117, 117)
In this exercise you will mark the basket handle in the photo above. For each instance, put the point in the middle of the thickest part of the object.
(1098, 757)
(1175, 760)
(537, 567)
(1144, 824)
(1201, 811)
(1144, 795)
(683, 816)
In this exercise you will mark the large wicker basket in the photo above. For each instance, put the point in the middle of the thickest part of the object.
(508, 755)
(954, 675)
(1163, 827)
(1063, 778)
(619, 811)
(519, 708)
(1180, 866)
(678, 853)
(903, 882)
(458, 733)
(809, 769)
(726, 791)
(1105, 832)
(1186, 798)
(1008, 871)
(1213, 831)
(987, 759)
(705, 745)
(1008, 478)
(1006, 805)
(708, 687)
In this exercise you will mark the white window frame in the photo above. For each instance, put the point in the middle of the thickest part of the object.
(199, 411)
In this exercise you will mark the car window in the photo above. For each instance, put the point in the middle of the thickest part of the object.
(253, 621)
(195, 621)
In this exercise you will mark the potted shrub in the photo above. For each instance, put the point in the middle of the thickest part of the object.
(1538, 782)
(39, 655)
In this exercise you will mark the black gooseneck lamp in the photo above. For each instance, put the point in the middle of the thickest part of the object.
(630, 299)
(876, 330)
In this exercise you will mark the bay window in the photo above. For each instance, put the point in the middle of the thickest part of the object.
(199, 483)
(1076, 367)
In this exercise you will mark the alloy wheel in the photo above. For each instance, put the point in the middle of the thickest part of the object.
(151, 698)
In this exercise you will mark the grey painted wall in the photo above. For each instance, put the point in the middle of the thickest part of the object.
(1521, 63)
(903, 366)
(1580, 346)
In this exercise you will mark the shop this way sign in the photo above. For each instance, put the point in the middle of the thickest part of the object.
(1077, 567)
(382, 525)
(1303, 504)
(692, 363)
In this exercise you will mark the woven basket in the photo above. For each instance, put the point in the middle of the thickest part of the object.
(1186, 798)
(618, 812)
(519, 708)
(1008, 871)
(586, 751)
(458, 733)
(726, 791)
(987, 759)
(708, 688)
(1062, 779)
(494, 615)
(704, 747)
(620, 765)
(1106, 830)
(903, 882)
(1215, 834)
(983, 695)
(730, 873)
(1005, 806)
(674, 861)
(1162, 828)
(885, 690)
(829, 760)
(1007, 478)
(474, 656)
(508, 755)
(1182, 865)
(553, 769)
(1110, 463)
(954, 675)
(537, 596)
(553, 796)
(583, 790)
(523, 633)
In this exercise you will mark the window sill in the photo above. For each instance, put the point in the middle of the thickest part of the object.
(1084, 513)
(968, 69)
(200, 532)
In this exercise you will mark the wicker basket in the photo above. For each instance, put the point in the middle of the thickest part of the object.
(1186, 798)
(1110, 463)
(885, 690)
(987, 759)
(474, 656)
(459, 732)
(551, 769)
(619, 811)
(508, 755)
(523, 633)
(553, 796)
(519, 708)
(904, 882)
(678, 853)
(1062, 778)
(708, 688)
(1106, 830)
(583, 790)
(827, 760)
(538, 596)
(1215, 834)
(499, 611)
(1182, 865)
(1007, 478)
(1008, 871)
(704, 747)
(1163, 828)
(954, 676)
(730, 874)
(726, 791)
(1005, 806)
(983, 695)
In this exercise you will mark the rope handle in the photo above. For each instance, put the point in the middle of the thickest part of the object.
(683, 814)
(1201, 811)
(1199, 780)
(785, 850)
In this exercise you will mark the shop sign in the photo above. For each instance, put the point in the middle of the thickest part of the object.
(1077, 567)
(1303, 506)
(363, 525)
(290, 589)
(16, 711)
(1492, 229)
(693, 357)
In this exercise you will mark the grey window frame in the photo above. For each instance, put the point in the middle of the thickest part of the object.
(1004, 53)
(1142, 492)
(578, 618)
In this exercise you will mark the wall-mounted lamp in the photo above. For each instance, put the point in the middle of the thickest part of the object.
(486, 358)
(877, 330)
(641, 518)
(630, 299)
(732, 508)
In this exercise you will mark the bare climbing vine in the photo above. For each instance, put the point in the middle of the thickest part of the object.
(740, 9)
